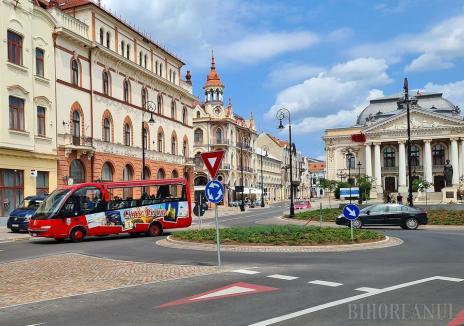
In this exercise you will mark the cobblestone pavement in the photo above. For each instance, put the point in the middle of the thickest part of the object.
(6, 235)
(58, 276)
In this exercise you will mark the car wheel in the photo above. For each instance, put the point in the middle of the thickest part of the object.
(411, 223)
(404, 227)
(155, 230)
(357, 223)
(77, 234)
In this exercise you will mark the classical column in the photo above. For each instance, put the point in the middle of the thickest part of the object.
(402, 167)
(461, 159)
(455, 160)
(377, 167)
(369, 160)
(428, 160)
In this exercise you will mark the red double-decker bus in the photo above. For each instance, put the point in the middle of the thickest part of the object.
(104, 208)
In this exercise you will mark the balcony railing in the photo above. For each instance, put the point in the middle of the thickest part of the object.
(245, 146)
(70, 23)
(75, 142)
(220, 142)
(246, 169)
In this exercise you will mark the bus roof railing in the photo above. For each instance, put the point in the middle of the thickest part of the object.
(143, 183)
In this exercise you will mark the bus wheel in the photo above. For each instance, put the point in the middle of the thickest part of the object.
(155, 230)
(77, 235)
(60, 239)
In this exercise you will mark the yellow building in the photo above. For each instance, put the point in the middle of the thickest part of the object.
(28, 159)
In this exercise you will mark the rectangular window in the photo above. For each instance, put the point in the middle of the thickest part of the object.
(41, 121)
(16, 113)
(39, 62)
(15, 48)
(41, 187)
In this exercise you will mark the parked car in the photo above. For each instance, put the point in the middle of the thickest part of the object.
(302, 204)
(19, 217)
(388, 214)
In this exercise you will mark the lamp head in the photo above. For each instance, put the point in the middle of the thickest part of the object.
(151, 121)
(281, 126)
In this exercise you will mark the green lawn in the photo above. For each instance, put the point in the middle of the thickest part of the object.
(291, 235)
(436, 216)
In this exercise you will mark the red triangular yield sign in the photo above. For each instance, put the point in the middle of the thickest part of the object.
(233, 290)
(212, 161)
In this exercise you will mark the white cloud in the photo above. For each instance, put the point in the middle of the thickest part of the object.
(193, 28)
(340, 89)
(340, 34)
(436, 48)
(452, 91)
(291, 72)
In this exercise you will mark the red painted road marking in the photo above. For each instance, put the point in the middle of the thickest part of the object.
(458, 320)
(233, 290)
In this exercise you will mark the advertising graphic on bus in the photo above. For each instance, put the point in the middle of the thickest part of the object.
(133, 207)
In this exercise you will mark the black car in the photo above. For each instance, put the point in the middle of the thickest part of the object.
(388, 214)
(19, 218)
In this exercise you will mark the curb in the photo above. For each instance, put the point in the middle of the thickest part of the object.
(387, 242)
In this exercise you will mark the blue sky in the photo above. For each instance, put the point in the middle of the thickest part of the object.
(323, 60)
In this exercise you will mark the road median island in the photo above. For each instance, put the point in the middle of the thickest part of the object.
(279, 238)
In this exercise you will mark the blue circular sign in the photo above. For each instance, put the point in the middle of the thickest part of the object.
(351, 212)
(214, 192)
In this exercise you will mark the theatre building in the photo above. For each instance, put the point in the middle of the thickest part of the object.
(117, 93)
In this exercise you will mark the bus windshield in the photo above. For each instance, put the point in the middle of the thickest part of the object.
(51, 205)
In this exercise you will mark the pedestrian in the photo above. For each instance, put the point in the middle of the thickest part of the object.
(399, 199)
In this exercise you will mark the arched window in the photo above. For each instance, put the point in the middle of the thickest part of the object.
(218, 136)
(174, 77)
(127, 134)
(198, 136)
(160, 104)
(174, 174)
(184, 115)
(128, 51)
(161, 69)
(174, 145)
(107, 172)
(140, 58)
(102, 35)
(77, 172)
(126, 91)
(185, 149)
(198, 163)
(76, 128)
(389, 157)
(438, 154)
(198, 115)
(160, 141)
(415, 161)
(106, 130)
(127, 175)
(106, 83)
(145, 61)
(173, 109)
(122, 47)
(144, 98)
(161, 174)
(146, 176)
(108, 39)
(75, 72)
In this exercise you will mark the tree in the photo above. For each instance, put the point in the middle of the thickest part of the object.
(328, 185)
(364, 183)
(422, 186)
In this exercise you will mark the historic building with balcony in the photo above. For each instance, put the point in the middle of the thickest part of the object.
(378, 143)
(118, 92)
(217, 127)
(28, 157)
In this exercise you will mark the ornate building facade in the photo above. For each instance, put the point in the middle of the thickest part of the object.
(217, 127)
(378, 143)
(28, 157)
(110, 81)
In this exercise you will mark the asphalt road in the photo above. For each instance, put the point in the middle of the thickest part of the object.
(416, 283)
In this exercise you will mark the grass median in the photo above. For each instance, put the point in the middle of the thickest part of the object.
(279, 235)
(435, 216)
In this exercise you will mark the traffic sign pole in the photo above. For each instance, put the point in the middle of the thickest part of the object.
(351, 227)
(351, 212)
(218, 243)
(199, 212)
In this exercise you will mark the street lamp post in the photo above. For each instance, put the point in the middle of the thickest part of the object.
(242, 139)
(359, 179)
(264, 148)
(151, 109)
(349, 156)
(310, 185)
(407, 100)
(284, 113)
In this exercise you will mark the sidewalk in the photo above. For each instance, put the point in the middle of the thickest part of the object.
(6, 235)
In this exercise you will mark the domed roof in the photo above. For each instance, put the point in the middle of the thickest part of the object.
(385, 107)
(213, 79)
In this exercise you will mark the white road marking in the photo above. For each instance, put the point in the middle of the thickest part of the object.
(37, 324)
(228, 291)
(283, 277)
(351, 299)
(246, 271)
(326, 283)
(366, 289)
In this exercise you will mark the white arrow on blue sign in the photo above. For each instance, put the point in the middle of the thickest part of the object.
(351, 212)
(214, 191)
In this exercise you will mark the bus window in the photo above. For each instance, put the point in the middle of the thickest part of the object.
(90, 200)
(70, 208)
